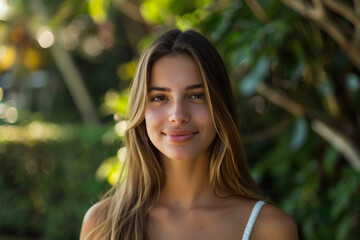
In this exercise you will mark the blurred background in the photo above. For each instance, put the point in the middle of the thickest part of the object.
(65, 70)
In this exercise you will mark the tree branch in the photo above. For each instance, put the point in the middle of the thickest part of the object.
(338, 141)
(328, 26)
(281, 100)
(357, 7)
(266, 133)
(75, 83)
(130, 10)
(302, 8)
(70, 73)
(343, 10)
(258, 11)
(319, 7)
(356, 39)
(331, 135)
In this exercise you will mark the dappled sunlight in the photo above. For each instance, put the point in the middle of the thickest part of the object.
(115, 103)
(110, 169)
(126, 70)
(33, 132)
(65, 72)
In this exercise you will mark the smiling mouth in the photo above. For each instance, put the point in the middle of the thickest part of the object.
(180, 137)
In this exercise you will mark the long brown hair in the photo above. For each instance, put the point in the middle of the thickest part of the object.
(126, 208)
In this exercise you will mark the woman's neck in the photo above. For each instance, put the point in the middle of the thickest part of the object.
(186, 183)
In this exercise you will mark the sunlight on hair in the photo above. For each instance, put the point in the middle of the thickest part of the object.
(45, 37)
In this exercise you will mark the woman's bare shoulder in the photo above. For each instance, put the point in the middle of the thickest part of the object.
(91, 218)
(273, 223)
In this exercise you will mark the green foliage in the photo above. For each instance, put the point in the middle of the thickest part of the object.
(47, 186)
(303, 174)
(97, 9)
(165, 11)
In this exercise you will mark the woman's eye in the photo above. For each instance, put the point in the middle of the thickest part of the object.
(158, 98)
(197, 96)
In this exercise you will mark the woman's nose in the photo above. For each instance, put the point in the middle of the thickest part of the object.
(179, 113)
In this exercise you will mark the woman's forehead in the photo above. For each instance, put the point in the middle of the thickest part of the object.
(175, 69)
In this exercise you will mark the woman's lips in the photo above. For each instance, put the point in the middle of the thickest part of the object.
(180, 136)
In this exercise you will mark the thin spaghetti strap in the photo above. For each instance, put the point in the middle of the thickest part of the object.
(252, 219)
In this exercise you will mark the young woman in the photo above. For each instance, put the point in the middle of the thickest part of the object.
(186, 175)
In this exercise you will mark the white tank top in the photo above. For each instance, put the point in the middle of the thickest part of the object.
(252, 219)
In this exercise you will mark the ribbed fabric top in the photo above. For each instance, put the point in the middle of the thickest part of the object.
(252, 219)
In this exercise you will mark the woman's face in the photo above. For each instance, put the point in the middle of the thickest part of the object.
(177, 117)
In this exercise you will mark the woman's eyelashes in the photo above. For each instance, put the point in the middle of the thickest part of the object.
(198, 95)
(192, 96)
(158, 98)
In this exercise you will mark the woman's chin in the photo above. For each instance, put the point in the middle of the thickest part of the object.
(178, 157)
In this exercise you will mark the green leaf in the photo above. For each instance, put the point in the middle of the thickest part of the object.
(352, 82)
(97, 9)
(340, 204)
(344, 228)
(330, 160)
(250, 82)
(300, 133)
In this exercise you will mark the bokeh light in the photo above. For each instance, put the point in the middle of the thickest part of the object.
(259, 104)
(120, 128)
(7, 57)
(121, 154)
(11, 115)
(70, 37)
(32, 59)
(45, 37)
(33, 132)
(93, 46)
(3, 108)
(110, 169)
(1, 94)
(4, 10)
(111, 98)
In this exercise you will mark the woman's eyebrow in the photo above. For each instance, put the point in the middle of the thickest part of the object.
(159, 89)
(195, 86)
(164, 89)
